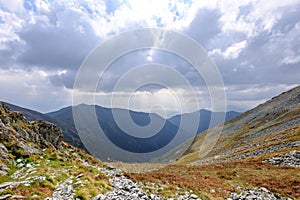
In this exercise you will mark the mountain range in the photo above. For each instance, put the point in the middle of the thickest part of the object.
(64, 119)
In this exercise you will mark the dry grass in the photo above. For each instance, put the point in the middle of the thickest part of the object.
(190, 178)
(40, 190)
(221, 177)
(136, 167)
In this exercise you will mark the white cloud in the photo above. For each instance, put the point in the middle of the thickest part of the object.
(32, 89)
(11, 23)
(232, 52)
(15, 6)
(291, 60)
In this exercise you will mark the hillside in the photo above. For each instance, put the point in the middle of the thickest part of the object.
(270, 127)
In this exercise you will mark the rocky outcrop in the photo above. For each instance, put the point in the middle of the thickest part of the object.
(290, 159)
(23, 138)
(50, 132)
(14, 125)
(256, 193)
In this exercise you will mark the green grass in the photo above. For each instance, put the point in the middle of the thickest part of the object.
(57, 167)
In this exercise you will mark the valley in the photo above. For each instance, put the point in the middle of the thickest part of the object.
(257, 156)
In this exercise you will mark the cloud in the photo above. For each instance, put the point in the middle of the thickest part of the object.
(241, 97)
(32, 89)
(204, 26)
(232, 52)
(255, 45)
(60, 43)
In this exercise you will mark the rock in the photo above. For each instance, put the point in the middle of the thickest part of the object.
(64, 191)
(193, 196)
(77, 184)
(257, 193)
(23, 138)
(290, 159)
(4, 153)
(3, 169)
(5, 196)
(50, 132)
(123, 188)
(26, 148)
(79, 176)
(12, 184)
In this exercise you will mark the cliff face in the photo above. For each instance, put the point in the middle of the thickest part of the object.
(23, 138)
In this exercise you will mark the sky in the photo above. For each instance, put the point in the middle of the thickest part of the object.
(254, 44)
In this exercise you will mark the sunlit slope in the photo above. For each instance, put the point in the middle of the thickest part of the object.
(270, 127)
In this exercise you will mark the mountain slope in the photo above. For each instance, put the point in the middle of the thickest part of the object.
(122, 137)
(118, 136)
(270, 127)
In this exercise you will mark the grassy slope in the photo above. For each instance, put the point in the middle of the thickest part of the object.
(57, 166)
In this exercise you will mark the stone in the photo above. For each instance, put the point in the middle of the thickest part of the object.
(257, 193)
(3, 169)
(193, 196)
(289, 159)
(5, 196)
(50, 132)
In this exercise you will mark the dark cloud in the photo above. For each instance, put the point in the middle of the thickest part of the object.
(64, 79)
(61, 45)
(205, 26)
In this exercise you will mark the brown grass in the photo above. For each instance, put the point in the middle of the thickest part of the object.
(246, 173)
(43, 190)
(185, 177)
